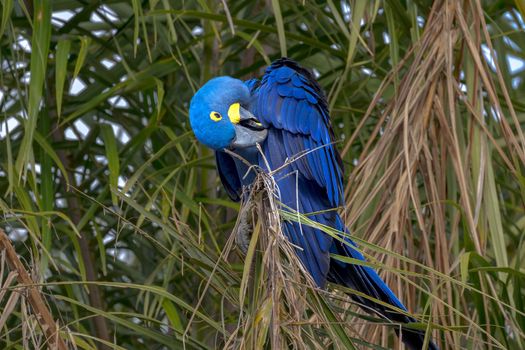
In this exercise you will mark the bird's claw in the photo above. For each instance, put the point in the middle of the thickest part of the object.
(244, 229)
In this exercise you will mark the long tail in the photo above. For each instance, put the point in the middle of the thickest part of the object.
(365, 280)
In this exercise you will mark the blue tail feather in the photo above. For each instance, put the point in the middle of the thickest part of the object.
(367, 281)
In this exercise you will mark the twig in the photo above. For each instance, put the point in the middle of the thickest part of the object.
(42, 313)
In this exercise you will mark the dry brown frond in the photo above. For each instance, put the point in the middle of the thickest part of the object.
(278, 303)
(420, 160)
(28, 290)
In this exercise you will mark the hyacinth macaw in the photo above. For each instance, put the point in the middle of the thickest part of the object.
(286, 113)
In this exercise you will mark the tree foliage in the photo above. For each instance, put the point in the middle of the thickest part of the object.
(119, 216)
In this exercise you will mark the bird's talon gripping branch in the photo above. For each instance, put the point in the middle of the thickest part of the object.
(244, 228)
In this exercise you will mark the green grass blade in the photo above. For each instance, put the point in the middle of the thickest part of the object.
(40, 49)
(61, 60)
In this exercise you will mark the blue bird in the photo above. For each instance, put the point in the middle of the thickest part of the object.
(286, 113)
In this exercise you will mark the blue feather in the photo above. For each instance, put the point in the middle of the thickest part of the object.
(288, 111)
(283, 75)
(313, 118)
(311, 98)
(284, 90)
(299, 93)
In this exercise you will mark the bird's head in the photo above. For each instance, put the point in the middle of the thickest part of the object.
(220, 116)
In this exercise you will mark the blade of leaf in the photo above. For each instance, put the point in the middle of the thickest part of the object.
(84, 45)
(280, 26)
(110, 144)
(7, 7)
(62, 54)
(40, 50)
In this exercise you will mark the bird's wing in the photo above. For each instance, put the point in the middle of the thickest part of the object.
(228, 174)
(289, 99)
(290, 103)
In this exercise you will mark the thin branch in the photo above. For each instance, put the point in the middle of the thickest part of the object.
(43, 315)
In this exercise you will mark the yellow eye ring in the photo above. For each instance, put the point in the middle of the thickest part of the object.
(215, 116)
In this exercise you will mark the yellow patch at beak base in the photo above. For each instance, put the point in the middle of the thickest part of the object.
(234, 113)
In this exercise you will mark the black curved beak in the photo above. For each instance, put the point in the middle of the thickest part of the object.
(249, 121)
(248, 130)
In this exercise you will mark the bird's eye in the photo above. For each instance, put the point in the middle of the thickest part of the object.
(215, 116)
